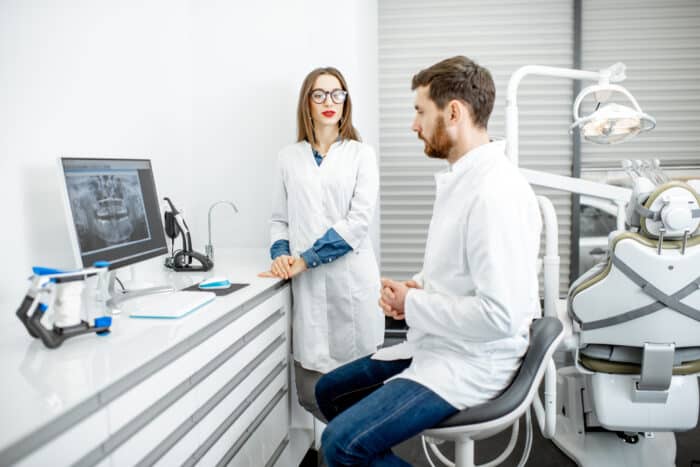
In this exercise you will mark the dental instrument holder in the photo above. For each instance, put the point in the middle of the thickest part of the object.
(181, 260)
(209, 247)
(66, 289)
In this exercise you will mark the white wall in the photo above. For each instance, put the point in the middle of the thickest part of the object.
(206, 89)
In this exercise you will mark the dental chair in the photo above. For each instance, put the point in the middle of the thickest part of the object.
(635, 342)
(494, 416)
(632, 326)
(628, 366)
(503, 412)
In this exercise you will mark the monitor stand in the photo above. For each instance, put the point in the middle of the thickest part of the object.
(114, 297)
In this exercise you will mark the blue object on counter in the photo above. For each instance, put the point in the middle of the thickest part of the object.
(215, 283)
(103, 322)
(42, 271)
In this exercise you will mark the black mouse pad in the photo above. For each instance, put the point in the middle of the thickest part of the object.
(218, 292)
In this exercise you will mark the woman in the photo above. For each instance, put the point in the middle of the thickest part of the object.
(323, 204)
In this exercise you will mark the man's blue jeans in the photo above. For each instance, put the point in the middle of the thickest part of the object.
(366, 417)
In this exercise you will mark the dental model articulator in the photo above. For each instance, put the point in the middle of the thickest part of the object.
(61, 291)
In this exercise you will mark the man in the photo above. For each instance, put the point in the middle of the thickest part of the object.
(469, 310)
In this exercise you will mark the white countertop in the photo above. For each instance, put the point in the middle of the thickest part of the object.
(39, 384)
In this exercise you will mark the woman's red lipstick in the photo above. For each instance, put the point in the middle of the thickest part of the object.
(328, 113)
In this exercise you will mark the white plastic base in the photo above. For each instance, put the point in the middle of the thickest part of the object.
(606, 449)
(602, 448)
(613, 398)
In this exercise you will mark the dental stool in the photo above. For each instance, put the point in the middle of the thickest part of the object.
(636, 341)
(494, 416)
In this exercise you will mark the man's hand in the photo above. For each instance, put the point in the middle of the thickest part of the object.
(281, 267)
(393, 297)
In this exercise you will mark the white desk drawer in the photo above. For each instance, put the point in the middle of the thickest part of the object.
(132, 403)
(226, 412)
(269, 344)
(259, 448)
(233, 424)
(72, 445)
(206, 422)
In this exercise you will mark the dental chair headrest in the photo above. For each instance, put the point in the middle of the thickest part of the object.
(672, 209)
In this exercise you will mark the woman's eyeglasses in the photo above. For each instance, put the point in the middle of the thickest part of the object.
(319, 96)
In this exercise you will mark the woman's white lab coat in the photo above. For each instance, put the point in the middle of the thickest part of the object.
(336, 317)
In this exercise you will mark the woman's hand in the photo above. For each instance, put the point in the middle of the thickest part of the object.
(285, 267)
(298, 267)
(281, 267)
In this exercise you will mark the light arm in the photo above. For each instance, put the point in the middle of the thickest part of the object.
(615, 73)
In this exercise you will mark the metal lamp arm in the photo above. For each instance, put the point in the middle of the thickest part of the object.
(579, 186)
(612, 74)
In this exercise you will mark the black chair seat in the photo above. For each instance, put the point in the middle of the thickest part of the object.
(542, 333)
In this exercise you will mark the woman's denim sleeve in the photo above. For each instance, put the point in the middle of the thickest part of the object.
(280, 247)
(326, 249)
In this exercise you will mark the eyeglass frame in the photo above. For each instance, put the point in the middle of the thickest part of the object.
(328, 93)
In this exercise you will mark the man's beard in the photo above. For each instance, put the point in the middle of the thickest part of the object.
(439, 145)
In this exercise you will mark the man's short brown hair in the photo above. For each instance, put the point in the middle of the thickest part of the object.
(462, 79)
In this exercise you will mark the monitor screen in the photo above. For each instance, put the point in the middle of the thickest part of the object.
(113, 212)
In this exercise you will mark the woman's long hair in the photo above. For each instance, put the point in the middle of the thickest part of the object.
(305, 126)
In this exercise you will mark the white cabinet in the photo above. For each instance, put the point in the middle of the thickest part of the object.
(183, 405)
(212, 398)
(69, 445)
(223, 400)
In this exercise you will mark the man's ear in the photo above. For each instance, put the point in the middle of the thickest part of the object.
(455, 111)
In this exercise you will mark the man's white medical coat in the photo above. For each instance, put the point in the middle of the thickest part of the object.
(469, 326)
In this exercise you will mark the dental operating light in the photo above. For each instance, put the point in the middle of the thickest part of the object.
(612, 123)
(609, 123)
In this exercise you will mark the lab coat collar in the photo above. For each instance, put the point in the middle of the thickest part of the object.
(337, 141)
(472, 159)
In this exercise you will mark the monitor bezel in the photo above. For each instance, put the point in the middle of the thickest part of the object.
(70, 224)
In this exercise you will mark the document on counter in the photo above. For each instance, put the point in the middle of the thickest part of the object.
(171, 305)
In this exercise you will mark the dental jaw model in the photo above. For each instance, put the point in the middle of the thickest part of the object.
(62, 292)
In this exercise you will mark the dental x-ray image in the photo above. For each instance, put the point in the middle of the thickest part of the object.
(108, 209)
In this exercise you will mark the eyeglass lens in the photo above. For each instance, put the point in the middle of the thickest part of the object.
(319, 96)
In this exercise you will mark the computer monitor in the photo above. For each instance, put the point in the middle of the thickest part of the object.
(112, 210)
